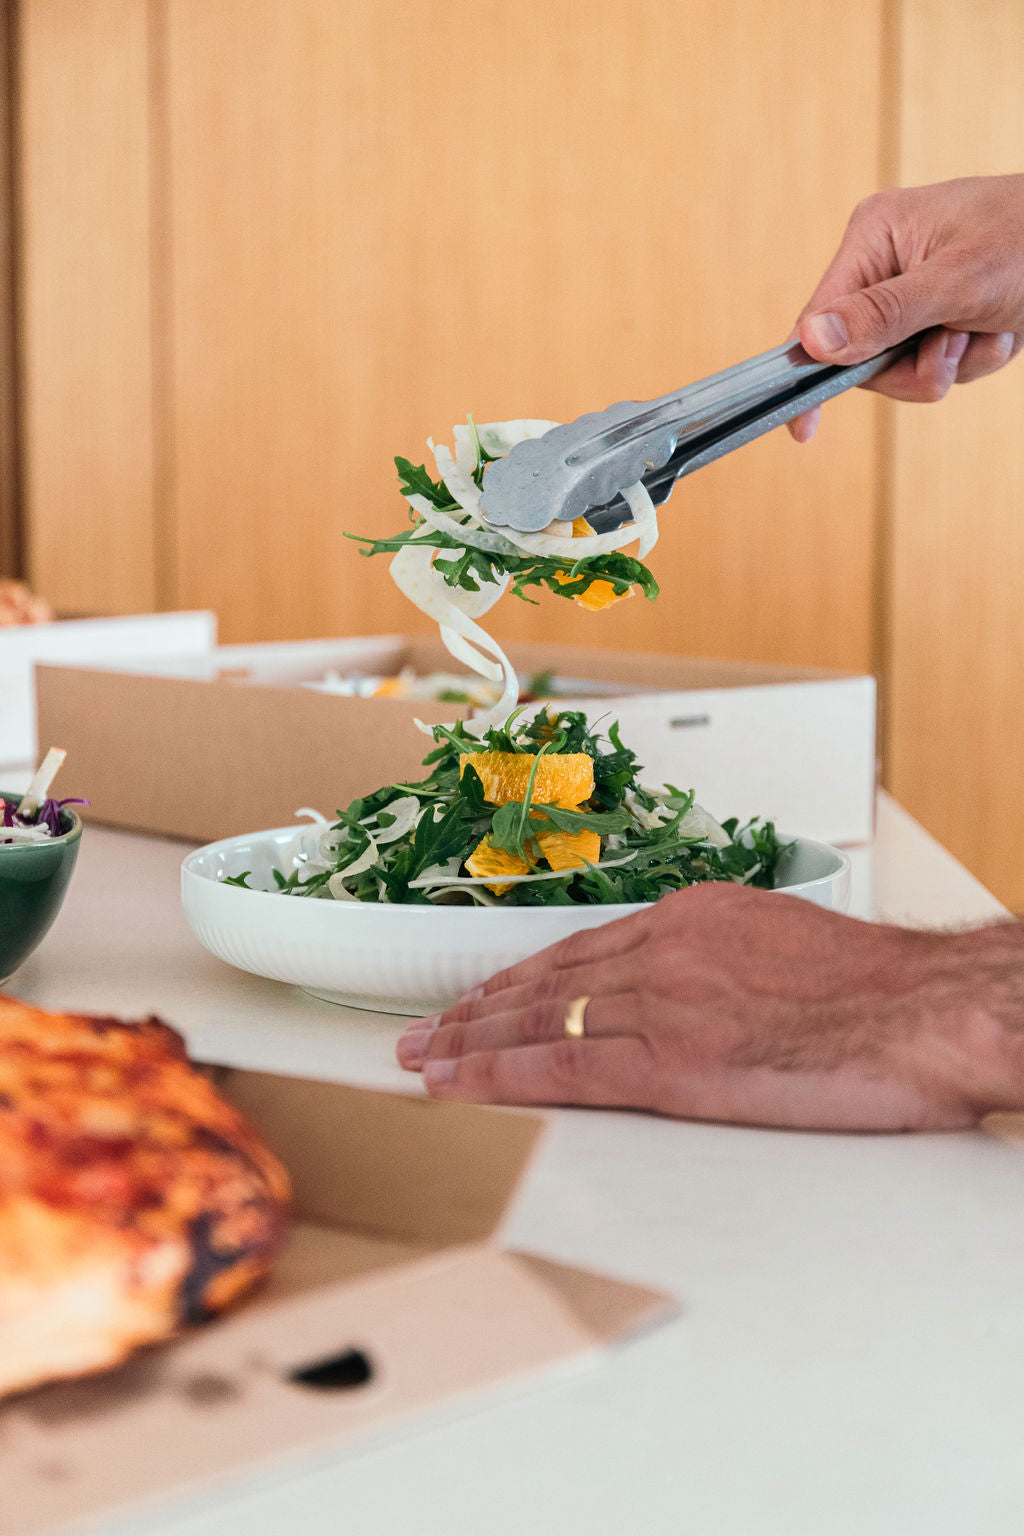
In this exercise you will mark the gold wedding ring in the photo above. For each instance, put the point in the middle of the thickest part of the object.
(576, 1017)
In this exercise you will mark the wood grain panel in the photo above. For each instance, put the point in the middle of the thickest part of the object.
(385, 216)
(956, 736)
(85, 281)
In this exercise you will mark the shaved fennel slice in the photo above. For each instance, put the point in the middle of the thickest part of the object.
(413, 572)
(645, 516)
(438, 872)
(700, 823)
(304, 851)
(496, 438)
(366, 860)
(473, 534)
(24, 834)
(459, 481)
(447, 882)
(406, 811)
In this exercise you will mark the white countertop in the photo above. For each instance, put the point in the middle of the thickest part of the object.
(847, 1357)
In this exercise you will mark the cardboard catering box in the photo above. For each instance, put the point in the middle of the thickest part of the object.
(390, 1300)
(83, 640)
(211, 746)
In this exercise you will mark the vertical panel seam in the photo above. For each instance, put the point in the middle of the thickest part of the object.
(164, 541)
(12, 537)
(886, 445)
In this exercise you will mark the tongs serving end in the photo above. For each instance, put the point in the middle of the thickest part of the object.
(579, 470)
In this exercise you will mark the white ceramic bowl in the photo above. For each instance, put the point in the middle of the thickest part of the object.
(405, 959)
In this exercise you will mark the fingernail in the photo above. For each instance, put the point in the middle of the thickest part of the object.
(829, 331)
(956, 346)
(437, 1073)
(412, 1047)
(472, 995)
(430, 1022)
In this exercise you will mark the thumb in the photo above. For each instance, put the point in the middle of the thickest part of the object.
(858, 325)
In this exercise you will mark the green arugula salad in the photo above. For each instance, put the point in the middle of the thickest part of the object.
(469, 568)
(538, 812)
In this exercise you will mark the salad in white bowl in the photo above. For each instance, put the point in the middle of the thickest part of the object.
(536, 813)
(418, 892)
(524, 828)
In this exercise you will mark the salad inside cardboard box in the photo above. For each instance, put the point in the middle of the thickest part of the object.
(214, 746)
(390, 1299)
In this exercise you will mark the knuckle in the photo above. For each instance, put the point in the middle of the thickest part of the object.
(496, 983)
(635, 1009)
(568, 1067)
(878, 207)
(572, 951)
(881, 308)
(932, 392)
(463, 1009)
(866, 207)
(535, 1026)
(550, 985)
(480, 1073)
(447, 1042)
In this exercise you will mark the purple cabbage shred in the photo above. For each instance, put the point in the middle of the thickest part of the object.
(47, 816)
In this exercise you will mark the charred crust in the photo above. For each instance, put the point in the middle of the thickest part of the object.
(208, 1262)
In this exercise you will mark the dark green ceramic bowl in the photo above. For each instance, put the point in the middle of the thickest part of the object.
(33, 879)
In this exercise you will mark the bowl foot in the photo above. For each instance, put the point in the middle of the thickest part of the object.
(413, 1008)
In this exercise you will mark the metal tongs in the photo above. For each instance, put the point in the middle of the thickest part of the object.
(578, 470)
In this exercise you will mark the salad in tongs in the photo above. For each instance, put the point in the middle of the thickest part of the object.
(454, 568)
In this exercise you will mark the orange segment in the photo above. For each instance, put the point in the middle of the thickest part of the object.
(600, 594)
(564, 778)
(487, 860)
(570, 850)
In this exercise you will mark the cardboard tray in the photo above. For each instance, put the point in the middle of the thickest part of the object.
(391, 1293)
(220, 744)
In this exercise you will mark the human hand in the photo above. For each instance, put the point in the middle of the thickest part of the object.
(947, 259)
(725, 1003)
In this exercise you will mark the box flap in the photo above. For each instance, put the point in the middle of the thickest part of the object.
(240, 1395)
(407, 1168)
(245, 770)
(657, 670)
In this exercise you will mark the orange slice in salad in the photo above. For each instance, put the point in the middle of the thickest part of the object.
(599, 594)
(565, 779)
(488, 860)
(570, 850)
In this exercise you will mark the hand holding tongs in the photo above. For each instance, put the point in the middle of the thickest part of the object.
(578, 470)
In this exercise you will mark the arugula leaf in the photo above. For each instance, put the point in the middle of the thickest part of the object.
(414, 480)
(552, 818)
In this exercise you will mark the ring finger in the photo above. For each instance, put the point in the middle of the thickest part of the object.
(533, 1023)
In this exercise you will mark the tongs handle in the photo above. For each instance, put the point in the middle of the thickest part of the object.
(579, 469)
(740, 404)
(783, 384)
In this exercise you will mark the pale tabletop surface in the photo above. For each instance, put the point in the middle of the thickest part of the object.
(847, 1358)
